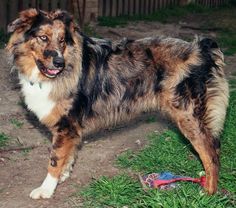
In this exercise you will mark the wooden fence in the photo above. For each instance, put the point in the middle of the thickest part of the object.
(211, 3)
(9, 9)
(136, 7)
(132, 7)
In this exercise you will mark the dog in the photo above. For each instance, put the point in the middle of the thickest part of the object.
(76, 85)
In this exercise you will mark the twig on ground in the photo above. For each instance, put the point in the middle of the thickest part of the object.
(10, 149)
(200, 28)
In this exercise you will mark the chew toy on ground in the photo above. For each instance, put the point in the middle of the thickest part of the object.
(166, 180)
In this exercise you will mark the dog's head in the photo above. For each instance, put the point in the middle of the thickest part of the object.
(41, 42)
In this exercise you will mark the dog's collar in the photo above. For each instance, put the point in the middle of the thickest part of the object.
(39, 83)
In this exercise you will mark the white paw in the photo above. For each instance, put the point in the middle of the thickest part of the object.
(41, 192)
(47, 188)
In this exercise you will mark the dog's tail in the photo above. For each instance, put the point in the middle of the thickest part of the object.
(217, 92)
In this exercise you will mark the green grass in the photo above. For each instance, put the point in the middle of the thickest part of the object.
(232, 83)
(168, 152)
(151, 119)
(115, 192)
(18, 124)
(89, 31)
(3, 139)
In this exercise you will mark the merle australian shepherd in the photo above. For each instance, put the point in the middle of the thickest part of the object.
(76, 85)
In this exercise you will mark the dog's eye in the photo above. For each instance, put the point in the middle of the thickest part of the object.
(43, 38)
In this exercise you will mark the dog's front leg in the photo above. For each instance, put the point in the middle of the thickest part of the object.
(65, 140)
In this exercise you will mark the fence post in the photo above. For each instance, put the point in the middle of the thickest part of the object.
(3, 15)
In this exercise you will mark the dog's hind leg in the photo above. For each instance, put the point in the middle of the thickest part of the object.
(65, 140)
(205, 144)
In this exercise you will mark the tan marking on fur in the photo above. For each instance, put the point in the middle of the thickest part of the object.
(66, 154)
(61, 109)
(202, 144)
(63, 155)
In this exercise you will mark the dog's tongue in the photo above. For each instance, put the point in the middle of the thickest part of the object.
(53, 71)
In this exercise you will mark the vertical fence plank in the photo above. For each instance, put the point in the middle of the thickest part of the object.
(3, 15)
(120, 7)
(54, 4)
(145, 6)
(100, 8)
(12, 10)
(25, 4)
(136, 7)
(141, 7)
(45, 5)
(114, 8)
(107, 7)
(33, 3)
(131, 7)
(64, 4)
(125, 7)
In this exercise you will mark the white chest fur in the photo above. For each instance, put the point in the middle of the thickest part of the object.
(37, 97)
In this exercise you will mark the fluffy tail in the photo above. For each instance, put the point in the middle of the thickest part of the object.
(217, 87)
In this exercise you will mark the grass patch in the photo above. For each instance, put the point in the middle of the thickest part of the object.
(232, 83)
(18, 124)
(89, 31)
(168, 151)
(115, 192)
(3, 139)
(151, 119)
(159, 156)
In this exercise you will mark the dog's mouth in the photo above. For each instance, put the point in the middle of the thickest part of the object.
(48, 72)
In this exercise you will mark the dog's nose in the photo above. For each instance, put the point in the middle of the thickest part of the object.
(58, 62)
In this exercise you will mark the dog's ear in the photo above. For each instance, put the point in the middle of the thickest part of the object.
(25, 20)
(65, 17)
(71, 26)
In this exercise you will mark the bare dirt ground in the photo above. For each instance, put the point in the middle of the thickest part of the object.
(21, 171)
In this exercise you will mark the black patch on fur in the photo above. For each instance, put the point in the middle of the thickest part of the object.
(64, 17)
(39, 20)
(17, 55)
(149, 54)
(160, 76)
(59, 142)
(194, 85)
(108, 87)
(67, 20)
(216, 143)
(66, 127)
(68, 37)
(40, 64)
(186, 54)
(93, 84)
(206, 44)
(81, 107)
(54, 160)
(216, 160)
(48, 53)
(134, 89)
